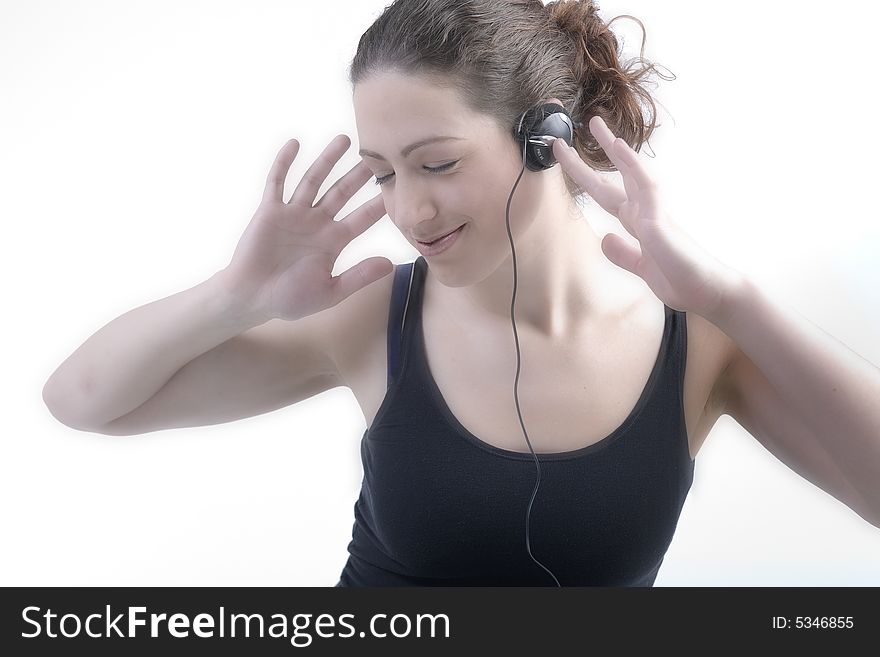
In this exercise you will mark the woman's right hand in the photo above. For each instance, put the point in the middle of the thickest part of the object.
(282, 265)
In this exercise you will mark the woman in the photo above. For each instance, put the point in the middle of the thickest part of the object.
(631, 350)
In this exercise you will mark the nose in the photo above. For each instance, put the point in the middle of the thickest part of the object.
(409, 205)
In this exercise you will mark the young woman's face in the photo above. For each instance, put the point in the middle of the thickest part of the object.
(439, 186)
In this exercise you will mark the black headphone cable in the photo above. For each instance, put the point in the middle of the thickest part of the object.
(518, 364)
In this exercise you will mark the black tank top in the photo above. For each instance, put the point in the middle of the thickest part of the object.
(440, 507)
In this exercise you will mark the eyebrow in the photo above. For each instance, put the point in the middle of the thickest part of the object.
(409, 149)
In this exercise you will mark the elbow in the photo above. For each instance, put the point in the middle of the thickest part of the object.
(865, 504)
(51, 399)
(59, 406)
(873, 515)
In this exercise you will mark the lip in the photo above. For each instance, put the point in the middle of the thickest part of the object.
(442, 245)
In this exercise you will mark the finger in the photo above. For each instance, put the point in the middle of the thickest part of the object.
(307, 189)
(274, 188)
(606, 193)
(357, 221)
(646, 192)
(639, 185)
(362, 274)
(343, 189)
(621, 253)
(634, 164)
(606, 140)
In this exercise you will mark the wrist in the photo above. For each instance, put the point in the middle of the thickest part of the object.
(236, 305)
(735, 288)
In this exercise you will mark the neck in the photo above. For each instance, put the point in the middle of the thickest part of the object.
(563, 281)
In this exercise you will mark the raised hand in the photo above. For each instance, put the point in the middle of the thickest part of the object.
(282, 265)
(680, 272)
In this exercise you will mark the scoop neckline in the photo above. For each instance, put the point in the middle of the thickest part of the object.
(599, 445)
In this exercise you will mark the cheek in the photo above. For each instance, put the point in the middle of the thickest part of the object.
(524, 204)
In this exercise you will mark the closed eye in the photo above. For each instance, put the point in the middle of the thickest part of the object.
(381, 180)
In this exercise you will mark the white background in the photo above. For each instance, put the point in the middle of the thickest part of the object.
(135, 138)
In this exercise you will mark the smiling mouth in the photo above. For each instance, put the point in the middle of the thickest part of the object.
(439, 238)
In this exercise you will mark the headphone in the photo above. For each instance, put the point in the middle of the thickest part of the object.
(536, 130)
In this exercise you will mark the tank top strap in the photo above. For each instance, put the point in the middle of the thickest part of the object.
(679, 342)
(666, 394)
(673, 351)
(399, 311)
(678, 348)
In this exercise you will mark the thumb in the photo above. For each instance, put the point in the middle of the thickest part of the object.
(362, 274)
(620, 252)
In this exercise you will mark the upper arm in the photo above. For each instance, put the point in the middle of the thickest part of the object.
(264, 368)
(756, 405)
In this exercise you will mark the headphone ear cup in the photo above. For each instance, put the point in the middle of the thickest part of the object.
(547, 120)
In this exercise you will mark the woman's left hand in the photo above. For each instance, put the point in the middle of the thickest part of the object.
(680, 272)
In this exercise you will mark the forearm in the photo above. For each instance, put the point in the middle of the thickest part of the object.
(127, 361)
(833, 390)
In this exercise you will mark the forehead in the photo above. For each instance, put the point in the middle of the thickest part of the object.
(392, 110)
